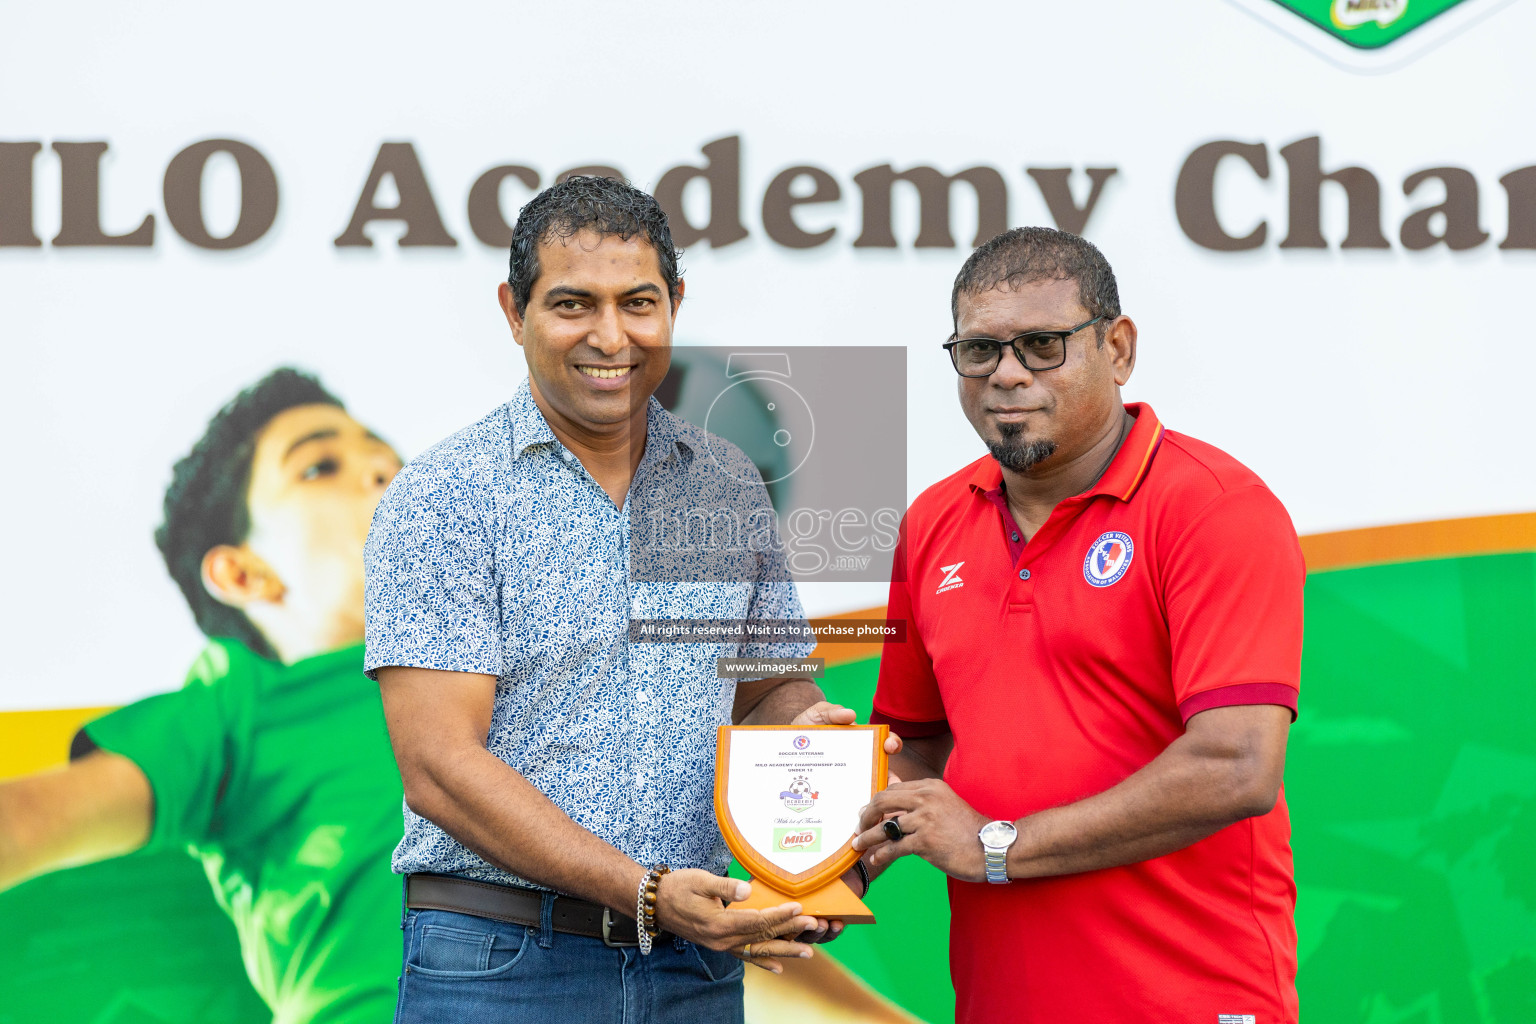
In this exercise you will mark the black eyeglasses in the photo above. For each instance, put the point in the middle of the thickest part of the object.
(1036, 350)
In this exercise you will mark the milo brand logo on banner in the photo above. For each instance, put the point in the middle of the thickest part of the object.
(1354, 13)
(1369, 24)
(804, 839)
(1360, 33)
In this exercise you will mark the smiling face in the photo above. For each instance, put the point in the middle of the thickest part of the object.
(1042, 418)
(597, 332)
(316, 476)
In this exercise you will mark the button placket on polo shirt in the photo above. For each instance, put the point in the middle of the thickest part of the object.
(1021, 589)
(1026, 571)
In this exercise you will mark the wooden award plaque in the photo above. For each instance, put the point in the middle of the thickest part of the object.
(787, 799)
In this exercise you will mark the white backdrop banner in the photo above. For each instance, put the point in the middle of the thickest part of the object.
(1328, 268)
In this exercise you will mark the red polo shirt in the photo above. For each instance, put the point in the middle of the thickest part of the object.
(1062, 666)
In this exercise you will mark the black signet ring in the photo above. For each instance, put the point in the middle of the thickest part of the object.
(893, 831)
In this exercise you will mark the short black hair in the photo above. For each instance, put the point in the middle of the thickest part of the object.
(207, 502)
(582, 202)
(1025, 255)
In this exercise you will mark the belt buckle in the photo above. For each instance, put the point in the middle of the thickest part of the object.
(616, 943)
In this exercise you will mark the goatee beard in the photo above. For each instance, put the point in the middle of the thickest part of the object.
(1017, 455)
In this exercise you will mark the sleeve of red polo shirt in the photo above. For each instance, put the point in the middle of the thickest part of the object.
(1233, 590)
(907, 694)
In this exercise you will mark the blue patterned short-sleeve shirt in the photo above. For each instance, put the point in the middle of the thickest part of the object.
(496, 552)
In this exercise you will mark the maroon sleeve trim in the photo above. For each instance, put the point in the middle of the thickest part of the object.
(909, 730)
(1240, 693)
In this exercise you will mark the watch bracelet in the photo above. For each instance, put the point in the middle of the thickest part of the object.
(996, 862)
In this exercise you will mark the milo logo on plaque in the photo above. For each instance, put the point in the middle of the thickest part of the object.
(805, 840)
(799, 797)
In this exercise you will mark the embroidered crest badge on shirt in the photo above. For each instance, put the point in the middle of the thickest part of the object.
(1108, 558)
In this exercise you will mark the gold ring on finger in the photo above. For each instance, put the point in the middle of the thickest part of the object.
(746, 951)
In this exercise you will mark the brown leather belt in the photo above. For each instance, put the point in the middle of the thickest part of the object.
(520, 906)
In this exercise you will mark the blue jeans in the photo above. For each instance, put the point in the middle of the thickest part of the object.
(472, 969)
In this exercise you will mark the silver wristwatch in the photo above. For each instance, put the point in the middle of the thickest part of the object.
(996, 837)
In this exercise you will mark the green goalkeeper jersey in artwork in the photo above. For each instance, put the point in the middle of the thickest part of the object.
(281, 781)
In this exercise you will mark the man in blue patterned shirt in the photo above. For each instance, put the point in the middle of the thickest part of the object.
(547, 760)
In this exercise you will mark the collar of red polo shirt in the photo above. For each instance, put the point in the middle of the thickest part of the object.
(1126, 470)
(1125, 473)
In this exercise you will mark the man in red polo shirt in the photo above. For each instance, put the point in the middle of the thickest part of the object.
(1098, 679)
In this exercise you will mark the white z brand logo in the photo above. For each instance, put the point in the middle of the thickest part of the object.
(951, 578)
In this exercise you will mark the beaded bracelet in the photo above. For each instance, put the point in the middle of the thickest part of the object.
(645, 907)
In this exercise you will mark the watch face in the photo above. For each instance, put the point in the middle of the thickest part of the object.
(998, 833)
